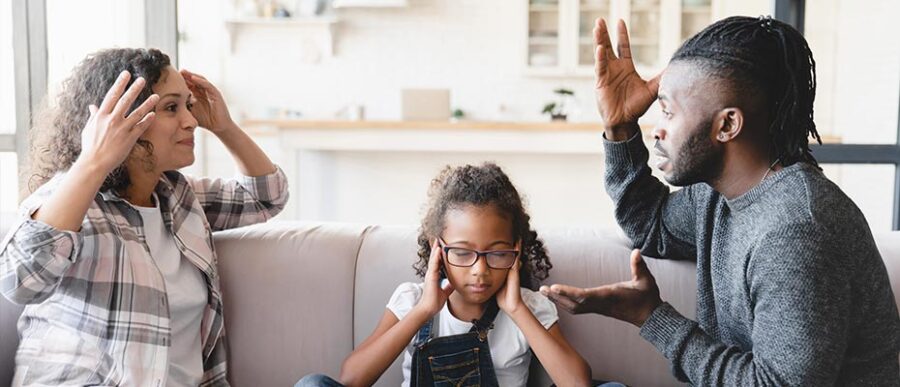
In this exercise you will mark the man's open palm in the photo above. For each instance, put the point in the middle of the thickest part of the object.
(622, 95)
(631, 301)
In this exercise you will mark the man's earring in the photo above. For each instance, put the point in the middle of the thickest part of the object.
(722, 137)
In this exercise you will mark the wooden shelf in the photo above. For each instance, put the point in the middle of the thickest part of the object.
(324, 23)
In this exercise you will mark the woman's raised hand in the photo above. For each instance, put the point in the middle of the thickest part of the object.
(434, 296)
(106, 141)
(111, 132)
(622, 95)
(209, 109)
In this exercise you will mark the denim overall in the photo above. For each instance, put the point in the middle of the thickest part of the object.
(462, 360)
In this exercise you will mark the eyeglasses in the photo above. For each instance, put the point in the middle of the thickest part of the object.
(463, 257)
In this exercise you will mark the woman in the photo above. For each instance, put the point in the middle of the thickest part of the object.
(113, 254)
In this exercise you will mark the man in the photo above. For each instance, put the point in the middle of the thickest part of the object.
(791, 287)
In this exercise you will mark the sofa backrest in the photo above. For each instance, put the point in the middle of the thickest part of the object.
(299, 297)
(9, 339)
(288, 291)
(385, 261)
(9, 316)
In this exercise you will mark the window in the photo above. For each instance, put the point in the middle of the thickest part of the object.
(78, 28)
(54, 36)
(870, 186)
(8, 163)
(858, 70)
(7, 73)
(857, 98)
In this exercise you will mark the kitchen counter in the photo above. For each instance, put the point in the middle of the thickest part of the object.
(268, 127)
(429, 136)
(423, 125)
(393, 162)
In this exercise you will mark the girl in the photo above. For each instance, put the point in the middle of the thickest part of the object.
(113, 254)
(477, 234)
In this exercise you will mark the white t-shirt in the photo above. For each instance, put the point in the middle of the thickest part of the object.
(187, 295)
(509, 349)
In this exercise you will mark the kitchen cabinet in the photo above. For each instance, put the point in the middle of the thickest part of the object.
(369, 3)
(560, 42)
(314, 33)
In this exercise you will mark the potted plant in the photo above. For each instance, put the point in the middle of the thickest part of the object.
(457, 115)
(557, 110)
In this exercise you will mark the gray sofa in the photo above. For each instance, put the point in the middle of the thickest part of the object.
(299, 296)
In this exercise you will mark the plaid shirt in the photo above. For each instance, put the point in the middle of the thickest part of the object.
(96, 306)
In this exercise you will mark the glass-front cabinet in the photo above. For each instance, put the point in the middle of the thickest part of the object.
(588, 12)
(544, 21)
(560, 41)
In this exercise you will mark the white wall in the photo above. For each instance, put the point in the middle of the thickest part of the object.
(473, 47)
(390, 188)
(476, 49)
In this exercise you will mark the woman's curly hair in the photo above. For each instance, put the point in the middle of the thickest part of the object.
(483, 185)
(56, 135)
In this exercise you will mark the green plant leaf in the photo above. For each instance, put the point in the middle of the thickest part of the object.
(549, 108)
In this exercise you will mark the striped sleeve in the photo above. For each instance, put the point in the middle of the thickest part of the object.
(34, 256)
(246, 200)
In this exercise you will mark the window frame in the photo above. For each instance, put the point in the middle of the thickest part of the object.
(30, 60)
(793, 12)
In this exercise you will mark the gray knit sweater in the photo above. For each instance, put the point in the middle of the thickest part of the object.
(791, 289)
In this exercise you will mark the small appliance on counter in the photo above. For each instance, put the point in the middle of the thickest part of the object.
(425, 104)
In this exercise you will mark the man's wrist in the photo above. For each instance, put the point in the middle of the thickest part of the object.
(646, 313)
(621, 131)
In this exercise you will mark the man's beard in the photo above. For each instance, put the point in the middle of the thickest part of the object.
(698, 159)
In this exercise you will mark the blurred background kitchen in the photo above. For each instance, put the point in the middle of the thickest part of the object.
(363, 101)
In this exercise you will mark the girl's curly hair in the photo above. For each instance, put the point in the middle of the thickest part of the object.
(483, 185)
(56, 135)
